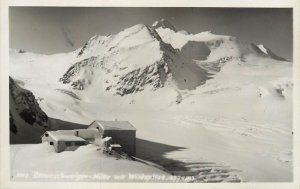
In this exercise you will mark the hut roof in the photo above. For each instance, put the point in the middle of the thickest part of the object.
(107, 139)
(64, 135)
(114, 125)
(115, 146)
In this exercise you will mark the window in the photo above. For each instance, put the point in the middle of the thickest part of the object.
(79, 143)
(74, 143)
(46, 134)
(51, 143)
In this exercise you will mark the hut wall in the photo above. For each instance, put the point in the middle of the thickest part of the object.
(126, 138)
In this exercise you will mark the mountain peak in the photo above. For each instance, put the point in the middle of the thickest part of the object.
(264, 51)
(164, 24)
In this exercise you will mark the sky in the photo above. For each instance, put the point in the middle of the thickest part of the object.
(50, 30)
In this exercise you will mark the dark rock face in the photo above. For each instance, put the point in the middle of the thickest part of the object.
(215, 66)
(28, 116)
(274, 56)
(154, 75)
(73, 71)
(27, 121)
(28, 108)
(164, 24)
(82, 49)
(12, 125)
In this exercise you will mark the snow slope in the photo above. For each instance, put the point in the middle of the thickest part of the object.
(205, 100)
(39, 162)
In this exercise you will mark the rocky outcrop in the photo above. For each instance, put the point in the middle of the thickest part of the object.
(153, 76)
(27, 120)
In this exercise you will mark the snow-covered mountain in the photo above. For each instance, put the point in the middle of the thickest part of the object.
(143, 57)
(147, 58)
(212, 94)
(130, 61)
